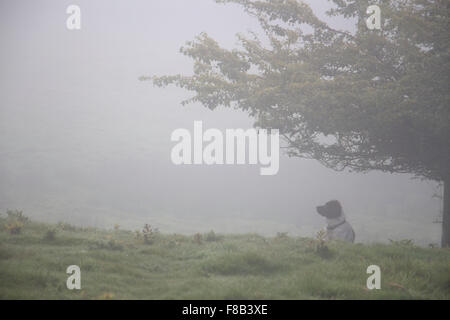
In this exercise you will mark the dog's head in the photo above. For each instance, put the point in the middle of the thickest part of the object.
(331, 210)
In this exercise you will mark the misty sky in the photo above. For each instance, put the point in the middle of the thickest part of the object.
(82, 139)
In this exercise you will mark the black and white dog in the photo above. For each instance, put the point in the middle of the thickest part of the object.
(337, 227)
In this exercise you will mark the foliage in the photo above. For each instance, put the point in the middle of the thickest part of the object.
(198, 239)
(16, 215)
(358, 100)
(14, 227)
(50, 235)
(15, 221)
(361, 100)
(67, 227)
(319, 244)
(281, 235)
(212, 236)
(149, 234)
(404, 242)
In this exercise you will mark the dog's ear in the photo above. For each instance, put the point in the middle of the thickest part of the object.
(333, 209)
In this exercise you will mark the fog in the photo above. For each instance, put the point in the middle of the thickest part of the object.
(83, 140)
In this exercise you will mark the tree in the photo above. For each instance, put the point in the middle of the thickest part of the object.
(361, 100)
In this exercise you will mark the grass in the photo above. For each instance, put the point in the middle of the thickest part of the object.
(119, 264)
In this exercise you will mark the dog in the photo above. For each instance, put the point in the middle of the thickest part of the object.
(337, 227)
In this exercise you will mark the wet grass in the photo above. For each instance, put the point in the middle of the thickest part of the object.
(116, 264)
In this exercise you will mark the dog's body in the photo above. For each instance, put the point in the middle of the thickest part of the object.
(337, 227)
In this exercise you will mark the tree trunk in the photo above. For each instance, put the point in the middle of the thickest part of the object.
(445, 241)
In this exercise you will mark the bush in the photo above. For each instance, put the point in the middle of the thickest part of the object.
(198, 239)
(404, 242)
(319, 244)
(14, 227)
(138, 235)
(281, 236)
(66, 226)
(50, 235)
(212, 236)
(149, 234)
(17, 215)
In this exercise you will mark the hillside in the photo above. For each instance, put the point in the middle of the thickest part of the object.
(122, 264)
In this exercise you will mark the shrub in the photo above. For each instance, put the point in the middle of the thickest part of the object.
(319, 244)
(281, 236)
(149, 234)
(66, 226)
(404, 242)
(114, 245)
(50, 235)
(198, 239)
(212, 236)
(14, 227)
(17, 215)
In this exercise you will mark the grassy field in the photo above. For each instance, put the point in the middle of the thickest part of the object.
(121, 264)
